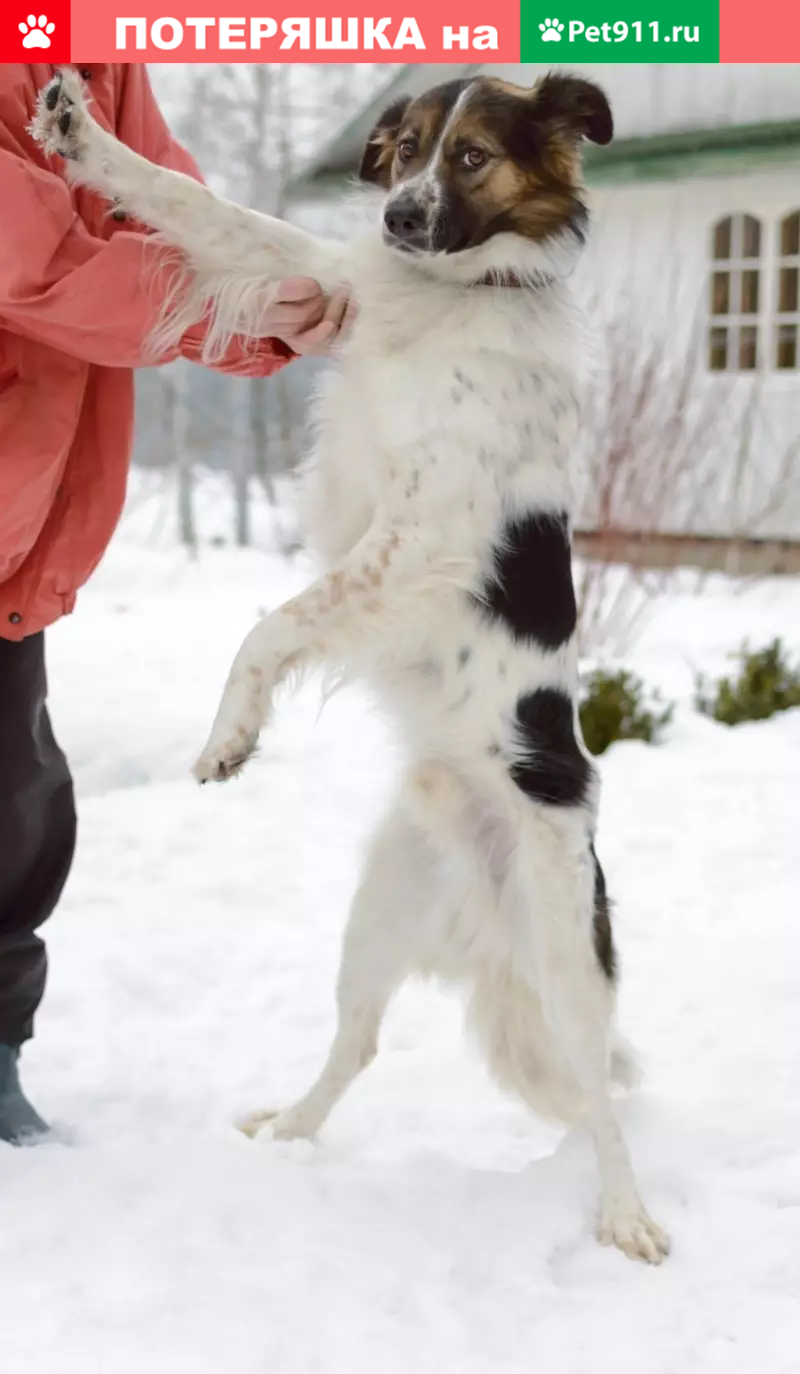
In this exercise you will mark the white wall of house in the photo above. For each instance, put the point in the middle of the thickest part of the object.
(649, 267)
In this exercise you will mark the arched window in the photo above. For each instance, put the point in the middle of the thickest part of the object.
(733, 339)
(787, 328)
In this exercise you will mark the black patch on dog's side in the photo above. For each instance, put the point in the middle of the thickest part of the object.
(601, 923)
(530, 588)
(550, 767)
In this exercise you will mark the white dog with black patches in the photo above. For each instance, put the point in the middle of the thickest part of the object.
(439, 502)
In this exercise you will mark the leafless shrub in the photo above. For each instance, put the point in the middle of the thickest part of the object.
(672, 454)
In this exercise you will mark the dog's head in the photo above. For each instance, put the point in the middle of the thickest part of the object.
(473, 159)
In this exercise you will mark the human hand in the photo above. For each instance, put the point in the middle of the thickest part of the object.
(307, 320)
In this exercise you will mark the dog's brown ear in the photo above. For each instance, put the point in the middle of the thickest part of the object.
(377, 159)
(574, 104)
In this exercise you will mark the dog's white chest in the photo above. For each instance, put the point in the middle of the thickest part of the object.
(468, 412)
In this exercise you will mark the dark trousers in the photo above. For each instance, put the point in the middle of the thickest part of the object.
(37, 832)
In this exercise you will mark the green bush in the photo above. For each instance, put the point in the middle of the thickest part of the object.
(618, 706)
(764, 684)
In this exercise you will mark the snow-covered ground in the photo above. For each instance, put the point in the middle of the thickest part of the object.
(435, 1227)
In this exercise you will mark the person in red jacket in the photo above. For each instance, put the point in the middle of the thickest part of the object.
(77, 305)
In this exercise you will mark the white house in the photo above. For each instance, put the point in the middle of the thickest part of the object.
(694, 272)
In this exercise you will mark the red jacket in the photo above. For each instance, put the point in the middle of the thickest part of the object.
(75, 313)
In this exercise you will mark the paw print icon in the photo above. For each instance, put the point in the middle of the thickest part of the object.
(36, 32)
(552, 30)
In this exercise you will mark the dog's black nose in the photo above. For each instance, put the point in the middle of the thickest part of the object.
(405, 221)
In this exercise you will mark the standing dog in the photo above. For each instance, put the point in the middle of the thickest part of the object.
(440, 500)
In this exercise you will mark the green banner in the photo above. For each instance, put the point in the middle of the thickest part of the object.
(620, 31)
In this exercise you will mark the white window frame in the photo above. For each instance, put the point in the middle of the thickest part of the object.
(735, 320)
(792, 317)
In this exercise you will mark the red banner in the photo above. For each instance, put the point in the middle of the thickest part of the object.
(773, 35)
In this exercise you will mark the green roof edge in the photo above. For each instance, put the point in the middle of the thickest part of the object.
(676, 154)
(660, 156)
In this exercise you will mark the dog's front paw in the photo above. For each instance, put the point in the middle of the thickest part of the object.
(242, 714)
(225, 758)
(60, 124)
(636, 1234)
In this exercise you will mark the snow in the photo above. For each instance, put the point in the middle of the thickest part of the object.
(435, 1226)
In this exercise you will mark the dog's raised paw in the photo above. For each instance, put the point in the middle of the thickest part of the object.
(636, 1235)
(59, 124)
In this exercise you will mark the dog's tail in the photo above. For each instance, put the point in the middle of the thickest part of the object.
(625, 1068)
(506, 1018)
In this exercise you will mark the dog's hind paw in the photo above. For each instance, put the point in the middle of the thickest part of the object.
(286, 1125)
(636, 1234)
(255, 1122)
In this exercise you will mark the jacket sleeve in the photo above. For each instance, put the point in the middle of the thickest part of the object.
(92, 298)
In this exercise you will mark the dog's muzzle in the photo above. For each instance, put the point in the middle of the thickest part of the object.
(405, 224)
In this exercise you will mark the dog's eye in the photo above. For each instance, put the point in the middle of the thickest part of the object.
(474, 158)
(406, 149)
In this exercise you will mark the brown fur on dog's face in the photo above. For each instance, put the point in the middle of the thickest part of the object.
(471, 159)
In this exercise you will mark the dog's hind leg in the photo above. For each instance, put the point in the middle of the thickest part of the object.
(557, 881)
(381, 941)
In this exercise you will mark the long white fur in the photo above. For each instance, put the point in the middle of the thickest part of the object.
(453, 405)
